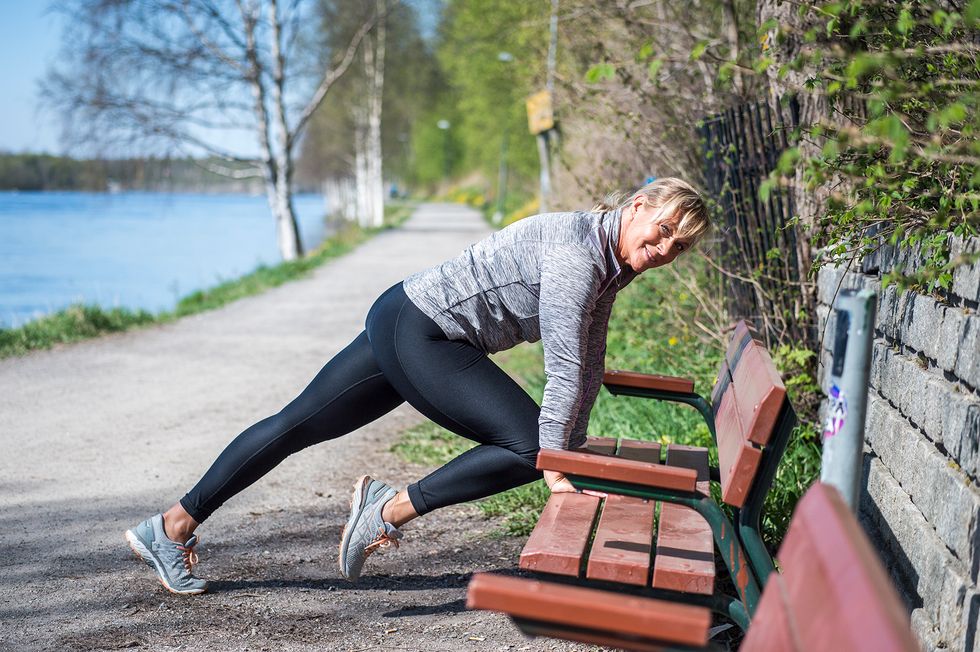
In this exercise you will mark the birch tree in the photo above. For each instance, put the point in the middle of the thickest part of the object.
(187, 75)
(368, 155)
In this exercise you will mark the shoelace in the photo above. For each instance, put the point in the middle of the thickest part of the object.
(190, 557)
(383, 540)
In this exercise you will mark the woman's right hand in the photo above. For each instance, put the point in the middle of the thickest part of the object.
(558, 483)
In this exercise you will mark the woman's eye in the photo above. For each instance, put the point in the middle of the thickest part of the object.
(664, 229)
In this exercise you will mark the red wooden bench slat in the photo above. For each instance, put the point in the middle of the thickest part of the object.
(685, 559)
(831, 575)
(623, 541)
(641, 451)
(721, 384)
(560, 550)
(617, 470)
(744, 332)
(760, 393)
(738, 459)
(607, 639)
(601, 445)
(648, 381)
(774, 630)
(558, 542)
(576, 606)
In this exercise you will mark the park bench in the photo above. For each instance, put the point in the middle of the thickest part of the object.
(610, 540)
(832, 596)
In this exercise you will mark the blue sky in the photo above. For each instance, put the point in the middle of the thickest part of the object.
(29, 41)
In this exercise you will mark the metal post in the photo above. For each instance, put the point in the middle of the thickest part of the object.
(498, 216)
(545, 177)
(843, 434)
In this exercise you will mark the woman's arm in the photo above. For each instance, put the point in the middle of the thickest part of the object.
(570, 279)
(594, 366)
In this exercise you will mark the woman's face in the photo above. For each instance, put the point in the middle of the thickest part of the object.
(648, 239)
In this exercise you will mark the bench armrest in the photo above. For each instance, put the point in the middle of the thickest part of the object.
(663, 388)
(616, 380)
(617, 469)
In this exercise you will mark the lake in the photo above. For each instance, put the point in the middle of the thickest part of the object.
(132, 249)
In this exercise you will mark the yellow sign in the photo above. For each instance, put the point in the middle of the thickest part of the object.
(540, 117)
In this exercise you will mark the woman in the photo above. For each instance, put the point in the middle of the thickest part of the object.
(552, 277)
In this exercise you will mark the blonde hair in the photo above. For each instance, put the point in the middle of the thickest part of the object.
(672, 196)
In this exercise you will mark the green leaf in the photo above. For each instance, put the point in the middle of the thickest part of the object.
(699, 50)
(952, 114)
(600, 72)
(645, 52)
(788, 159)
(653, 70)
(905, 21)
(765, 189)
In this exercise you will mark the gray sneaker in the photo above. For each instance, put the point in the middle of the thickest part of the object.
(366, 531)
(172, 561)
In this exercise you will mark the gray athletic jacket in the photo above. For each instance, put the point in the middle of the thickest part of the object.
(550, 277)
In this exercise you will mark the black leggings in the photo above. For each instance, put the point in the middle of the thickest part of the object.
(401, 356)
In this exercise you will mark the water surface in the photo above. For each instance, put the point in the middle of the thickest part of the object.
(133, 249)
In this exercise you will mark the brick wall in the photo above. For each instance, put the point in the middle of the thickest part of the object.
(920, 493)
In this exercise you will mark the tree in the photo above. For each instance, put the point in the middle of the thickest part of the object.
(336, 149)
(188, 74)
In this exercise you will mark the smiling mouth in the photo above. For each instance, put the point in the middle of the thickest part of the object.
(648, 255)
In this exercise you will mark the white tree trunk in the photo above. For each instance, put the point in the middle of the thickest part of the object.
(376, 85)
(361, 168)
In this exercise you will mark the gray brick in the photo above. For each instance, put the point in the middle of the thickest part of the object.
(827, 279)
(932, 580)
(967, 365)
(946, 416)
(966, 278)
(944, 494)
(949, 333)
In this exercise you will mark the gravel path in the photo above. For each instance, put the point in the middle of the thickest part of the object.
(96, 436)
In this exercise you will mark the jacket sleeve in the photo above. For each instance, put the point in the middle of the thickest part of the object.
(570, 279)
(592, 372)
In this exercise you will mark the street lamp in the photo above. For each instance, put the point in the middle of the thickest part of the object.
(498, 216)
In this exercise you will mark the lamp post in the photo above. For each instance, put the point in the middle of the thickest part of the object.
(444, 125)
(498, 216)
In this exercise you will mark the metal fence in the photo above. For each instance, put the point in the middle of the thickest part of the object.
(757, 253)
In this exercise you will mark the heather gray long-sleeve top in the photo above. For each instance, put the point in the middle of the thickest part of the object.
(550, 277)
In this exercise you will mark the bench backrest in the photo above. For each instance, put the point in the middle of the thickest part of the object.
(833, 593)
(748, 401)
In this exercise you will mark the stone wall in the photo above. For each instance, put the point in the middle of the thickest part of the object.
(920, 493)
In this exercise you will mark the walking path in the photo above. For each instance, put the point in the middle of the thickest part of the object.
(98, 435)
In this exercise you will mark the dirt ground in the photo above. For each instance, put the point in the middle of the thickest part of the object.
(97, 436)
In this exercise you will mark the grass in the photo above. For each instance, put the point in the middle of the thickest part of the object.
(643, 336)
(81, 322)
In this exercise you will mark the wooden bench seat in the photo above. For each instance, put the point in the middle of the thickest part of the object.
(612, 539)
(832, 596)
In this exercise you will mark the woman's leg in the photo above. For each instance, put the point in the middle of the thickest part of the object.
(348, 392)
(460, 388)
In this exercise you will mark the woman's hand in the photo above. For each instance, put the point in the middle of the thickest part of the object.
(558, 483)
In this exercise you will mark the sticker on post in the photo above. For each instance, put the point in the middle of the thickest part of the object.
(836, 412)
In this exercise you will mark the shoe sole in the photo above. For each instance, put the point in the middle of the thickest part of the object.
(143, 553)
(358, 496)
